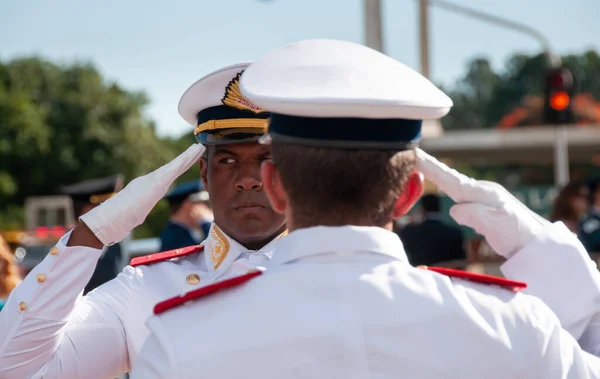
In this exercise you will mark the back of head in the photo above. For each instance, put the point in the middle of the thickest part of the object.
(345, 120)
(342, 186)
(430, 203)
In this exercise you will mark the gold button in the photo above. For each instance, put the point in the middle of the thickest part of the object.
(41, 278)
(54, 251)
(22, 306)
(193, 278)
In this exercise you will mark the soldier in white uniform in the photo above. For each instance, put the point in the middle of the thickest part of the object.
(339, 299)
(48, 330)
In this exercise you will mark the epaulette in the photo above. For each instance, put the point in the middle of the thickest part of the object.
(508, 284)
(166, 255)
(173, 302)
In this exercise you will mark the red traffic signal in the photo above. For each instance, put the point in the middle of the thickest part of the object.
(559, 101)
(559, 88)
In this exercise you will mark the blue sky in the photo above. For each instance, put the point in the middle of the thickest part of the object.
(162, 47)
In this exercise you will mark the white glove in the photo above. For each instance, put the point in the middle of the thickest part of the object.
(114, 219)
(506, 223)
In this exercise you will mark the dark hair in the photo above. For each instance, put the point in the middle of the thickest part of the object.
(330, 186)
(562, 208)
(430, 203)
(175, 204)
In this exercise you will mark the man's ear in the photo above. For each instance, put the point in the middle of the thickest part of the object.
(204, 171)
(410, 195)
(272, 186)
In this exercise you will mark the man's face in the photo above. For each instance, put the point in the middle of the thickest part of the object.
(231, 174)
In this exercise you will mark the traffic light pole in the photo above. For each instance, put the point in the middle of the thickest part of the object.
(561, 156)
(372, 24)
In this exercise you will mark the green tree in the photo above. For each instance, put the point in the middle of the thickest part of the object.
(60, 124)
(63, 124)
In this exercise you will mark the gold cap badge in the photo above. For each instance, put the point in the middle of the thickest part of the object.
(234, 98)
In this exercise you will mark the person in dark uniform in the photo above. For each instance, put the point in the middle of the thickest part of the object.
(432, 241)
(190, 216)
(85, 196)
(589, 228)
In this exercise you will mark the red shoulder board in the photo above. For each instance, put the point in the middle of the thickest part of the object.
(165, 255)
(511, 285)
(173, 302)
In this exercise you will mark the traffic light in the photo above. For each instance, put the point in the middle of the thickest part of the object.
(558, 96)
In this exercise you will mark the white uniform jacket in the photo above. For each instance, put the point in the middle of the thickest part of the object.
(344, 303)
(49, 330)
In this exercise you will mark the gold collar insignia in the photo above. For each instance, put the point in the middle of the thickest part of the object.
(219, 246)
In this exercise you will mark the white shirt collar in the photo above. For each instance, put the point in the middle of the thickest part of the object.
(319, 240)
(220, 250)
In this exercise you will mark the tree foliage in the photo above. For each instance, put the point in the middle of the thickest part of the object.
(60, 124)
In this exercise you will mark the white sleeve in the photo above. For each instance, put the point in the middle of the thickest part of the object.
(155, 360)
(558, 270)
(47, 329)
(558, 354)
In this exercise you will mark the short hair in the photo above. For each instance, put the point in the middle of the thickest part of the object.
(430, 203)
(335, 186)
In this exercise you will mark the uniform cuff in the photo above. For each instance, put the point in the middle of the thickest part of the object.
(51, 289)
(558, 270)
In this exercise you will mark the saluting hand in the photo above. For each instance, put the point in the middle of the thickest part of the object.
(114, 219)
(506, 223)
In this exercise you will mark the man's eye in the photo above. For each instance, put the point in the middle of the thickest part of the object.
(227, 160)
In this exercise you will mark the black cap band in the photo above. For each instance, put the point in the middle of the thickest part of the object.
(349, 133)
(223, 124)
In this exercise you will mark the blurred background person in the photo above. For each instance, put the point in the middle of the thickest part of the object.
(190, 216)
(589, 231)
(9, 272)
(570, 205)
(432, 241)
(87, 195)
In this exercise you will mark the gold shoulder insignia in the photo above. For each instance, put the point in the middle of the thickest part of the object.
(233, 97)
